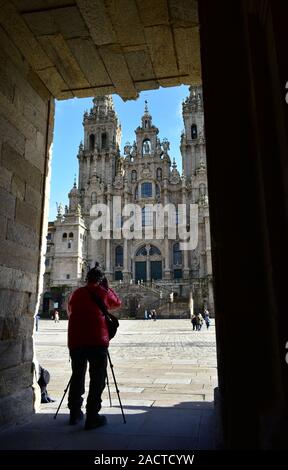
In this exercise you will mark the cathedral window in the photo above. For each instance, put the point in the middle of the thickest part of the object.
(177, 254)
(142, 251)
(146, 190)
(176, 216)
(178, 274)
(194, 132)
(67, 276)
(71, 235)
(119, 256)
(154, 251)
(159, 174)
(147, 217)
(64, 237)
(104, 140)
(69, 244)
(118, 276)
(91, 142)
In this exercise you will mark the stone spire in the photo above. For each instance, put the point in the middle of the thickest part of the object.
(146, 118)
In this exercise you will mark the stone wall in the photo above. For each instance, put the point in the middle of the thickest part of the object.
(26, 113)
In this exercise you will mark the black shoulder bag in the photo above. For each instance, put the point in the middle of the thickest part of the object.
(111, 321)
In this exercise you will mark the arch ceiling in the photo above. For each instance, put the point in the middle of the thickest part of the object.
(94, 47)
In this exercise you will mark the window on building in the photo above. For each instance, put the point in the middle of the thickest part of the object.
(146, 190)
(48, 249)
(91, 142)
(141, 251)
(119, 255)
(49, 236)
(119, 220)
(118, 276)
(178, 274)
(154, 251)
(71, 235)
(47, 262)
(69, 244)
(104, 140)
(67, 276)
(64, 236)
(147, 217)
(177, 254)
(194, 132)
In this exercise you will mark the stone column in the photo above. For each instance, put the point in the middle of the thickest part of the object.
(208, 244)
(167, 265)
(126, 264)
(126, 268)
(148, 265)
(185, 252)
(88, 168)
(108, 241)
(108, 259)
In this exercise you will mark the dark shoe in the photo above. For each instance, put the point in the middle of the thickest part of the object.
(45, 398)
(50, 400)
(75, 417)
(99, 420)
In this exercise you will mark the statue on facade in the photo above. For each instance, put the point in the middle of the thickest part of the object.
(165, 146)
(134, 150)
(127, 149)
(146, 147)
(59, 209)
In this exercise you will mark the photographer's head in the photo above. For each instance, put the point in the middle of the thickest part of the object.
(95, 275)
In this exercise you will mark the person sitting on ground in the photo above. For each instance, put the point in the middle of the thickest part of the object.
(43, 381)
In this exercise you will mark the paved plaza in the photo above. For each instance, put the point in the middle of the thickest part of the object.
(166, 374)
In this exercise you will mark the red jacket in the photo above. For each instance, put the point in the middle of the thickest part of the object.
(87, 325)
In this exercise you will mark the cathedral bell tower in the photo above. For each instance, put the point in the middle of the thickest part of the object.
(146, 136)
(102, 138)
(192, 139)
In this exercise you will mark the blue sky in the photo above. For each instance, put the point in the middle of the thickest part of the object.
(165, 106)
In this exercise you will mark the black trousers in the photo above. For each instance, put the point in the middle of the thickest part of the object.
(97, 358)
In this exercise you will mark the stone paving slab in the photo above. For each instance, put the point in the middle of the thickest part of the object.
(166, 374)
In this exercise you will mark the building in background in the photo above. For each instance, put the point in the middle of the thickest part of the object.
(147, 271)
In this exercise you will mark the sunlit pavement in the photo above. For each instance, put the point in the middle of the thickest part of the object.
(166, 374)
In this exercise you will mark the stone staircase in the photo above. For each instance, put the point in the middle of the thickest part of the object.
(136, 298)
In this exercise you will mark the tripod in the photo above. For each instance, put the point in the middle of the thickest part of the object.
(116, 387)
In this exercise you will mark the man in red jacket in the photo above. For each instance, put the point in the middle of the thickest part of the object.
(88, 341)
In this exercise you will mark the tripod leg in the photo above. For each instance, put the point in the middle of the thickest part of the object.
(65, 391)
(111, 366)
(108, 386)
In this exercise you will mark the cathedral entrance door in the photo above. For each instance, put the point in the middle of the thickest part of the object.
(156, 270)
(140, 271)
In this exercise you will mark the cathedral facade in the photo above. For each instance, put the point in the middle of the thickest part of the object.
(144, 176)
